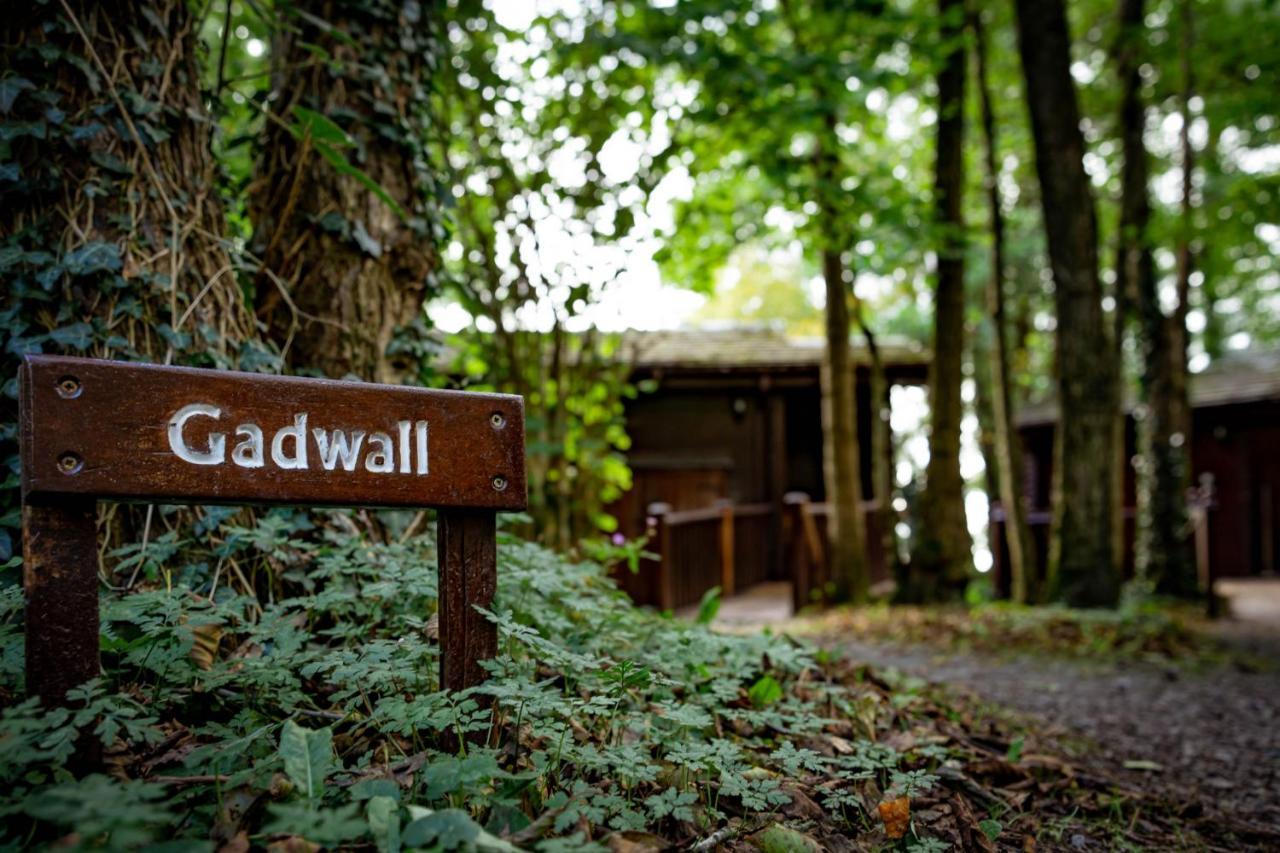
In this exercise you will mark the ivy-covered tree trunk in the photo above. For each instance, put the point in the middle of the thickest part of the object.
(846, 527)
(1007, 446)
(110, 205)
(111, 225)
(942, 557)
(344, 200)
(1081, 562)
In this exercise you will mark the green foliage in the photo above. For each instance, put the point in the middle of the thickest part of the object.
(322, 706)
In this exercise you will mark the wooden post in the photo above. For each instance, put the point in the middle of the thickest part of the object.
(657, 522)
(60, 574)
(801, 575)
(776, 429)
(728, 567)
(466, 541)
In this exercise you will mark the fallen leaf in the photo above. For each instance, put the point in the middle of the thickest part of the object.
(896, 815)
(1142, 764)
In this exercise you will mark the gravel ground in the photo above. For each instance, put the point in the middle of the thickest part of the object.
(1209, 739)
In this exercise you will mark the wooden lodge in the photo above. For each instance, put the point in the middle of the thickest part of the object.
(1235, 470)
(727, 459)
(728, 476)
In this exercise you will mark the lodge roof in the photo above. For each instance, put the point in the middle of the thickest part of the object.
(750, 348)
(1249, 376)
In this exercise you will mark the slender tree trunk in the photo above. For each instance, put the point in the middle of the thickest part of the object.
(1081, 563)
(942, 558)
(1171, 457)
(846, 528)
(344, 271)
(881, 445)
(1008, 445)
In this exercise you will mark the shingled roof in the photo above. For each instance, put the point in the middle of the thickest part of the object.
(750, 347)
(1242, 377)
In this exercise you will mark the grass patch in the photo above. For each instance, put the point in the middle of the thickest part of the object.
(1161, 633)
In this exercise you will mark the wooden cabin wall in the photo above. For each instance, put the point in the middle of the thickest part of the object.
(1237, 445)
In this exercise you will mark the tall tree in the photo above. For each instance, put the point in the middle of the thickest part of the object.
(1007, 445)
(779, 158)
(942, 557)
(111, 225)
(344, 202)
(1161, 545)
(1081, 560)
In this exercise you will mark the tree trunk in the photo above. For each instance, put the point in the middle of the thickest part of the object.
(1081, 564)
(114, 210)
(881, 446)
(846, 528)
(1008, 445)
(110, 189)
(942, 558)
(345, 265)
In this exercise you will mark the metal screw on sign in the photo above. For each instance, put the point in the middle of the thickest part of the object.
(69, 387)
(497, 420)
(70, 463)
(499, 484)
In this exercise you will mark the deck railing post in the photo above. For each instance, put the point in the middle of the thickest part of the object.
(801, 561)
(660, 535)
(728, 575)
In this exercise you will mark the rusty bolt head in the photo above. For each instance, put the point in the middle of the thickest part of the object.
(497, 420)
(499, 483)
(69, 387)
(70, 463)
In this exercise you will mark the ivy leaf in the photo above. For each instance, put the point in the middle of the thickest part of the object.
(365, 240)
(344, 167)
(94, 256)
(320, 128)
(111, 162)
(991, 828)
(10, 88)
(77, 336)
(384, 822)
(450, 829)
(307, 755)
(765, 692)
(709, 606)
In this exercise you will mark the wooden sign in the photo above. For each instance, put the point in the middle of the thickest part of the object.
(93, 430)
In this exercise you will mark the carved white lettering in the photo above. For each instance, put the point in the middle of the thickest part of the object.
(298, 432)
(217, 452)
(404, 450)
(379, 462)
(330, 453)
(248, 453)
(420, 435)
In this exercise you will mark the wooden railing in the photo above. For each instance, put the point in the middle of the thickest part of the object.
(736, 546)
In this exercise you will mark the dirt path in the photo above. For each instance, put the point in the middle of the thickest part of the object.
(1209, 739)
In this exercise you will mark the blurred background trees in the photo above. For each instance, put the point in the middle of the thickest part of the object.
(483, 194)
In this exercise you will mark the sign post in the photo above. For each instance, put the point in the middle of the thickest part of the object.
(92, 430)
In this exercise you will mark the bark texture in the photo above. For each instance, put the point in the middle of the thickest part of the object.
(122, 181)
(344, 272)
(942, 557)
(1081, 560)
(846, 528)
(1007, 445)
